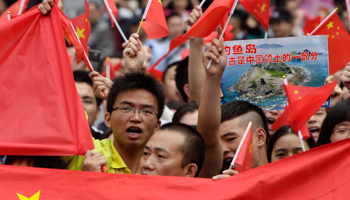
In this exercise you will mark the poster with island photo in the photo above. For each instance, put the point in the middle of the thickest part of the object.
(255, 68)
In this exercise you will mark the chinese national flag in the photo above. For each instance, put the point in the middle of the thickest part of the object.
(243, 156)
(260, 9)
(321, 173)
(211, 18)
(155, 24)
(111, 4)
(113, 69)
(82, 27)
(303, 103)
(311, 24)
(338, 38)
(15, 9)
(41, 113)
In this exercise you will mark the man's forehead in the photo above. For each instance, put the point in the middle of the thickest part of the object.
(137, 96)
(231, 127)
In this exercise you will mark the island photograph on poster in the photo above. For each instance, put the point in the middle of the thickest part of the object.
(255, 68)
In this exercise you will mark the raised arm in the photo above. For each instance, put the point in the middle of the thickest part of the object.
(209, 115)
(196, 72)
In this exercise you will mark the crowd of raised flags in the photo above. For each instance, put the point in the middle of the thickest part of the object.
(39, 97)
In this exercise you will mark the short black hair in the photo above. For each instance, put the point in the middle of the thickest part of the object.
(136, 80)
(339, 113)
(174, 64)
(284, 130)
(82, 76)
(235, 109)
(184, 109)
(53, 162)
(193, 149)
(181, 77)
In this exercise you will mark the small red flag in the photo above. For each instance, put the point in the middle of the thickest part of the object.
(311, 24)
(15, 9)
(111, 7)
(303, 103)
(338, 38)
(155, 24)
(243, 156)
(211, 18)
(157, 74)
(260, 9)
(41, 113)
(82, 27)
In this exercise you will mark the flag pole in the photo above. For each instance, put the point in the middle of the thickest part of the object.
(240, 145)
(324, 21)
(202, 3)
(138, 30)
(301, 140)
(108, 68)
(8, 15)
(347, 8)
(20, 10)
(265, 34)
(223, 31)
(115, 21)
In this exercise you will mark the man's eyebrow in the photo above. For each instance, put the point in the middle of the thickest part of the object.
(146, 147)
(132, 104)
(280, 150)
(161, 149)
(87, 97)
(126, 102)
(230, 133)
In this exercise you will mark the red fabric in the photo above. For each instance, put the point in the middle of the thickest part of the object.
(41, 113)
(157, 74)
(244, 156)
(321, 173)
(260, 9)
(303, 103)
(311, 24)
(82, 27)
(114, 9)
(228, 35)
(302, 109)
(14, 8)
(337, 40)
(173, 44)
(211, 18)
(155, 24)
(113, 69)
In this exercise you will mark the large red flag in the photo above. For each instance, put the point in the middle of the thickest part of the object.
(15, 9)
(260, 9)
(41, 113)
(243, 156)
(112, 10)
(320, 173)
(311, 24)
(82, 27)
(338, 38)
(155, 24)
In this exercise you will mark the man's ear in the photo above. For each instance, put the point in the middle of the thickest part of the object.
(108, 120)
(190, 170)
(261, 134)
(187, 90)
(157, 126)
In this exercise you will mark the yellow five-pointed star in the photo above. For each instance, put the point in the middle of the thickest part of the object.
(86, 20)
(251, 148)
(262, 8)
(330, 25)
(160, 1)
(34, 197)
(80, 33)
(296, 92)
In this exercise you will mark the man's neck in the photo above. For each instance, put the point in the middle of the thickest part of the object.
(131, 157)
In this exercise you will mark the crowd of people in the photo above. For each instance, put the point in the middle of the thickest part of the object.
(177, 126)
